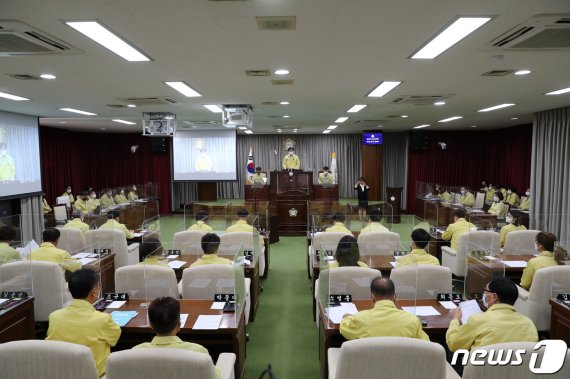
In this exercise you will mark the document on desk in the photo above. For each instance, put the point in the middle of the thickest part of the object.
(448, 304)
(173, 256)
(468, 308)
(422, 310)
(183, 318)
(208, 322)
(137, 235)
(116, 304)
(81, 255)
(218, 305)
(123, 317)
(176, 264)
(86, 261)
(335, 313)
(394, 264)
(515, 263)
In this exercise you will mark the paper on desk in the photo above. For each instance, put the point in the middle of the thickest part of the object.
(176, 264)
(247, 262)
(218, 305)
(490, 257)
(173, 256)
(81, 255)
(468, 308)
(116, 304)
(209, 322)
(448, 304)
(515, 263)
(335, 313)
(422, 310)
(26, 250)
(183, 318)
(137, 234)
(3, 300)
(86, 261)
(394, 264)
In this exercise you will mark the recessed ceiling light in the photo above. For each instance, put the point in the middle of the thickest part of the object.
(78, 111)
(379, 126)
(184, 89)
(124, 122)
(284, 103)
(514, 118)
(383, 88)
(421, 126)
(356, 108)
(295, 131)
(242, 128)
(12, 97)
(63, 122)
(213, 108)
(109, 40)
(286, 116)
(404, 116)
(103, 129)
(559, 92)
(279, 131)
(451, 119)
(473, 126)
(131, 106)
(454, 33)
(340, 120)
(281, 71)
(439, 103)
(47, 76)
(522, 72)
(332, 127)
(248, 132)
(495, 107)
(326, 131)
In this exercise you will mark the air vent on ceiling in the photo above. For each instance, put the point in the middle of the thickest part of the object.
(196, 124)
(116, 106)
(257, 72)
(270, 103)
(24, 77)
(420, 99)
(282, 82)
(18, 38)
(541, 32)
(277, 23)
(151, 100)
(498, 73)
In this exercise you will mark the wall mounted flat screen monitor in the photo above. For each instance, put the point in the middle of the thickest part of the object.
(372, 138)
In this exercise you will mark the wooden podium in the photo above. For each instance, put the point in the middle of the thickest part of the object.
(325, 193)
(291, 190)
(253, 193)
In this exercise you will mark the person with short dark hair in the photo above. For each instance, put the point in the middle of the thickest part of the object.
(362, 192)
(338, 224)
(81, 202)
(325, 177)
(150, 252)
(107, 200)
(8, 234)
(459, 227)
(92, 202)
(512, 197)
(548, 256)
(164, 319)
(210, 245)
(121, 198)
(525, 200)
(49, 252)
(81, 323)
(69, 193)
(113, 223)
(385, 319)
(420, 240)
(466, 199)
(513, 224)
(258, 177)
(498, 208)
(133, 194)
(500, 323)
(291, 161)
(77, 221)
(200, 224)
(241, 224)
(374, 225)
(347, 253)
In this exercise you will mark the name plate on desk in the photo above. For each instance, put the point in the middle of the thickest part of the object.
(13, 295)
(400, 253)
(226, 297)
(116, 296)
(318, 253)
(172, 252)
(340, 298)
(101, 251)
(449, 297)
(248, 254)
(560, 296)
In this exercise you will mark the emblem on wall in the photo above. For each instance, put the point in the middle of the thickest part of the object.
(293, 212)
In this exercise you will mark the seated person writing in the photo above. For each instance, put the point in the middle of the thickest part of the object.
(374, 217)
(113, 223)
(347, 253)
(120, 198)
(258, 178)
(107, 199)
(164, 319)
(498, 208)
(49, 252)
(81, 323)
(325, 177)
(201, 219)
(455, 230)
(466, 199)
(385, 319)
(77, 221)
(8, 254)
(512, 197)
(132, 196)
(338, 226)
(512, 220)
(210, 246)
(420, 239)
(525, 201)
(548, 256)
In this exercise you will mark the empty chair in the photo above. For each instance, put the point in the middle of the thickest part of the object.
(152, 363)
(146, 281)
(46, 360)
(421, 281)
(520, 242)
(116, 241)
(456, 260)
(246, 240)
(378, 243)
(547, 283)
(188, 241)
(71, 240)
(60, 214)
(402, 358)
(326, 240)
(479, 200)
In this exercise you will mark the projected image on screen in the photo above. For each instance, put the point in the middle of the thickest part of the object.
(19, 155)
(204, 155)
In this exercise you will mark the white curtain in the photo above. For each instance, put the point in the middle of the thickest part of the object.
(395, 163)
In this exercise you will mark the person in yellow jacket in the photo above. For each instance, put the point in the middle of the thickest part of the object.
(258, 178)
(164, 319)
(498, 208)
(512, 197)
(374, 218)
(241, 225)
(459, 227)
(210, 244)
(338, 224)
(525, 201)
(291, 161)
(47, 208)
(420, 239)
(325, 177)
(113, 223)
(466, 199)
(443, 194)
(69, 194)
(77, 221)
(201, 219)
(548, 256)
(133, 194)
(107, 199)
(7, 167)
(512, 220)
(7, 253)
(347, 254)
(93, 202)
(120, 198)
(500, 323)
(49, 252)
(81, 323)
(489, 193)
(385, 319)
(80, 203)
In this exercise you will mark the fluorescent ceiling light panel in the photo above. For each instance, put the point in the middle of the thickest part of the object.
(78, 111)
(281, 71)
(184, 89)
(421, 126)
(383, 88)
(326, 131)
(131, 106)
(332, 127)
(559, 92)
(404, 116)
(12, 97)
(242, 128)
(124, 122)
(522, 72)
(454, 33)
(451, 119)
(248, 132)
(493, 108)
(213, 108)
(284, 103)
(286, 116)
(356, 108)
(438, 103)
(108, 39)
(340, 120)
(47, 76)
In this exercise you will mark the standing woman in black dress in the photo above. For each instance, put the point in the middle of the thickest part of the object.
(362, 189)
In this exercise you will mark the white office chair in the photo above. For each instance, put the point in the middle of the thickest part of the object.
(43, 280)
(189, 241)
(71, 240)
(456, 260)
(46, 360)
(246, 240)
(203, 282)
(378, 243)
(421, 281)
(520, 242)
(479, 200)
(117, 242)
(156, 362)
(397, 357)
(146, 281)
(520, 371)
(547, 283)
(60, 214)
(457, 198)
(328, 240)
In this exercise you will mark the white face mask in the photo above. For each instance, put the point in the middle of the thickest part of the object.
(508, 219)
(134, 188)
(486, 188)
(495, 199)
(485, 300)
(463, 192)
(490, 186)
(109, 193)
(290, 153)
(509, 192)
(94, 196)
(69, 190)
(535, 246)
(122, 192)
(527, 193)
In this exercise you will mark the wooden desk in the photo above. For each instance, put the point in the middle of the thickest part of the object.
(435, 244)
(230, 337)
(325, 193)
(559, 321)
(106, 266)
(256, 194)
(479, 273)
(17, 322)
(329, 334)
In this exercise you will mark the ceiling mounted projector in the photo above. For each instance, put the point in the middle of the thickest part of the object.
(159, 124)
(235, 115)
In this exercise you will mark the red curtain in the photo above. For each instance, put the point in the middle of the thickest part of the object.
(500, 156)
(85, 160)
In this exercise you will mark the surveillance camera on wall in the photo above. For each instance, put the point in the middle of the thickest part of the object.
(443, 145)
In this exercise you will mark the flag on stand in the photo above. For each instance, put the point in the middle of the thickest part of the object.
(250, 164)
(333, 167)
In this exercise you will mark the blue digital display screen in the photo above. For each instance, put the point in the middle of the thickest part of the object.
(372, 139)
